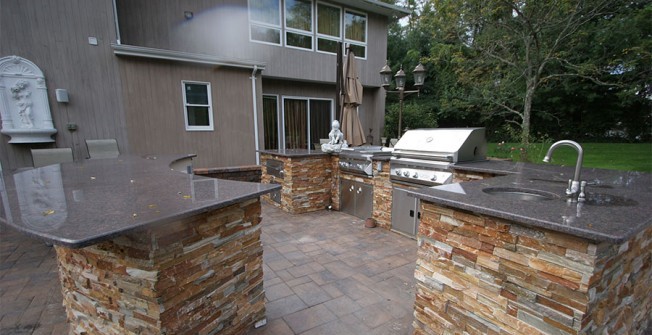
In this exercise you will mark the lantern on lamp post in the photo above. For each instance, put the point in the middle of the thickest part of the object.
(386, 79)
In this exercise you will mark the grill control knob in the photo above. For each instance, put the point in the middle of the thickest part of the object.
(415, 175)
(434, 178)
(398, 172)
(406, 173)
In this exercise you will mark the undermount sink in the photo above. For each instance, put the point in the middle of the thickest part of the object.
(524, 194)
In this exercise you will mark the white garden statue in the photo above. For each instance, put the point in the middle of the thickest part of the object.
(335, 139)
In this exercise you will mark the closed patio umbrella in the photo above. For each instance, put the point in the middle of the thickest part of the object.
(351, 127)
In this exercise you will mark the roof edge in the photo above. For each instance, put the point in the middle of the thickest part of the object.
(180, 56)
(378, 7)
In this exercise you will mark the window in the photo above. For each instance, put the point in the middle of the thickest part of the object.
(265, 21)
(355, 32)
(270, 121)
(298, 24)
(307, 25)
(198, 111)
(329, 27)
(305, 121)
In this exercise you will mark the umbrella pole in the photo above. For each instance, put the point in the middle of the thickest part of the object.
(338, 83)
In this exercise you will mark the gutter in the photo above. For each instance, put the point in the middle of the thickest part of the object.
(187, 57)
(255, 105)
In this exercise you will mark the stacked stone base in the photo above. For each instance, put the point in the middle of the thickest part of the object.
(305, 185)
(482, 275)
(200, 275)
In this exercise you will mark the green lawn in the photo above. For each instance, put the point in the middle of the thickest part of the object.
(614, 156)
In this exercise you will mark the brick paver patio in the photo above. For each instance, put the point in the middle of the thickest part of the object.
(324, 274)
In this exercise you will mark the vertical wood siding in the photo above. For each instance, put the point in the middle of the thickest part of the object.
(54, 35)
(221, 28)
(155, 114)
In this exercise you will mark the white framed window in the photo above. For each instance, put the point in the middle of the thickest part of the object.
(197, 105)
(265, 21)
(299, 24)
(329, 27)
(308, 25)
(355, 32)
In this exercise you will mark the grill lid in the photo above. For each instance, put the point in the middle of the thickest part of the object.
(443, 144)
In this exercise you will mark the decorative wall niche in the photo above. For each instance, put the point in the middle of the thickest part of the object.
(24, 107)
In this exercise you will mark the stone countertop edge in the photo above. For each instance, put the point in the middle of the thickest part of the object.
(600, 223)
(292, 153)
(295, 153)
(128, 210)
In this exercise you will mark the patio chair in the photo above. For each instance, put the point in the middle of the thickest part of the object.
(43, 157)
(104, 148)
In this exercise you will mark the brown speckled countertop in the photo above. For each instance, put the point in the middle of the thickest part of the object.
(83, 203)
(618, 204)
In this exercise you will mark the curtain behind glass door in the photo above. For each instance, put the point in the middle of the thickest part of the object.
(295, 122)
(270, 121)
(320, 121)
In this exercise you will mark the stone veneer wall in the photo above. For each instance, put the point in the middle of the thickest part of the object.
(306, 185)
(335, 183)
(482, 275)
(382, 210)
(200, 275)
(251, 173)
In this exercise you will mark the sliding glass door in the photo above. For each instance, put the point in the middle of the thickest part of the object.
(305, 121)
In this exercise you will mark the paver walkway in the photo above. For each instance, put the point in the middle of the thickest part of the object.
(324, 273)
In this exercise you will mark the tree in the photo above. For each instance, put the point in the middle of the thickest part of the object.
(562, 68)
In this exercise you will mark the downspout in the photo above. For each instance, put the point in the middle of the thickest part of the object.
(117, 25)
(255, 105)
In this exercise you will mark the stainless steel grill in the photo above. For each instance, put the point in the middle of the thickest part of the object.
(358, 160)
(424, 156)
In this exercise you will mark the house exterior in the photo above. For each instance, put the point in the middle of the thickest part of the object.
(218, 78)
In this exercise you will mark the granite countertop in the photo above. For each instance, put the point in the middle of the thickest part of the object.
(86, 202)
(294, 152)
(616, 209)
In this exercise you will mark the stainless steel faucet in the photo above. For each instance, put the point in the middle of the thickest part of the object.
(575, 190)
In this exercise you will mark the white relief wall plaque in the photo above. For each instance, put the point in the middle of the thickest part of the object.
(24, 106)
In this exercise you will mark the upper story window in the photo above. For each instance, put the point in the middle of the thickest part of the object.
(355, 32)
(265, 21)
(197, 105)
(329, 27)
(308, 25)
(298, 24)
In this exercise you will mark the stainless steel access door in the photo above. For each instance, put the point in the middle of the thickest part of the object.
(356, 198)
(364, 201)
(405, 212)
(347, 196)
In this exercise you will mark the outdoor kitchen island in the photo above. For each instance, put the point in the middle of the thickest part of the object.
(509, 255)
(143, 249)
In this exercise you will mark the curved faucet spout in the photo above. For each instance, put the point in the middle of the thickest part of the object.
(574, 188)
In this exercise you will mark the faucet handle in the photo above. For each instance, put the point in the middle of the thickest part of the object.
(582, 195)
(569, 189)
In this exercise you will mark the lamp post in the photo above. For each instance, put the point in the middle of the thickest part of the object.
(386, 79)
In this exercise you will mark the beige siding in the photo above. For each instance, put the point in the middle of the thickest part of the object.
(155, 114)
(54, 35)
